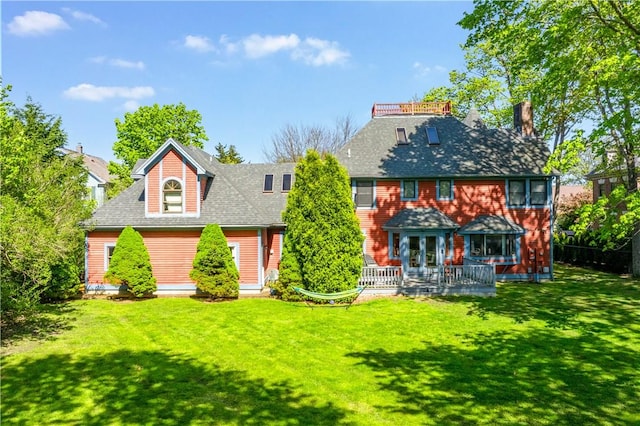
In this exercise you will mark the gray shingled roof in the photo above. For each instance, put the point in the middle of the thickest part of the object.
(235, 198)
(489, 224)
(97, 166)
(463, 151)
(420, 218)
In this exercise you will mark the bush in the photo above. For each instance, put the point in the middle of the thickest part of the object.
(214, 270)
(131, 265)
(290, 275)
(323, 234)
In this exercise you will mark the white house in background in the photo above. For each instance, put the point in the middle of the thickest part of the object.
(99, 177)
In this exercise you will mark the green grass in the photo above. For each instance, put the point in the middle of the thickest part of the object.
(559, 353)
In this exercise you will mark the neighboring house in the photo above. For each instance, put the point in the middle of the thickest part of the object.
(99, 177)
(178, 191)
(606, 181)
(429, 190)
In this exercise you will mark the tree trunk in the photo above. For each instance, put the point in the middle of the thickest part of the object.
(635, 252)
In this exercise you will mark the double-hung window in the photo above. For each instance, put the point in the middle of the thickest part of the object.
(538, 192)
(409, 189)
(445, 189)
(527, 192)
(364, 193)
(517, 192)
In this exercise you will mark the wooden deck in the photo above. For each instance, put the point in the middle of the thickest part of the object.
(411, 108)
(471, 278)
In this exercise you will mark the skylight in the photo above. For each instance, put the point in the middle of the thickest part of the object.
(432, 136)
(268, 183)
(286, 182)
(401, 136)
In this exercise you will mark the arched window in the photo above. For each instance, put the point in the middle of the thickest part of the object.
(172, 196)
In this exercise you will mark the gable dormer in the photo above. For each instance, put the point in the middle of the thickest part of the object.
(175, 181)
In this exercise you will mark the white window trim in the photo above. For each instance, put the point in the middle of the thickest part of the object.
(107, 246)
(236, 251)
(182, 196)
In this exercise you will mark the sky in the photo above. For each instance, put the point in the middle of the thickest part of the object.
(249, 68)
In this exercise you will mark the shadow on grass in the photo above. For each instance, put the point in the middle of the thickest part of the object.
(580, 299)
(150, 387)
(535, 377)
(43, 324)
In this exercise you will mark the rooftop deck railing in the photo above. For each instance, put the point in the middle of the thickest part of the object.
(411, 108)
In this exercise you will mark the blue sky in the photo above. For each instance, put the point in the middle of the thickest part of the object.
(249, 68)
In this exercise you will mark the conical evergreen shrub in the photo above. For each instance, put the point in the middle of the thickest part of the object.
(130, 264)
(214, 270)
(323, 241)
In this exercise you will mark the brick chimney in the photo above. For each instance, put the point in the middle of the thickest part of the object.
(79, 148)
(523, 119)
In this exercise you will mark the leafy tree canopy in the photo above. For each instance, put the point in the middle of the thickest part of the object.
(142, 132)
(43, 201)
(577, 62)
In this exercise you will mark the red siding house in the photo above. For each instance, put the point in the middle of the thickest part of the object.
(429, 190)
(178, 191)
(433, 190)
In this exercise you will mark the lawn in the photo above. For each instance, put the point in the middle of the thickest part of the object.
(560, 353)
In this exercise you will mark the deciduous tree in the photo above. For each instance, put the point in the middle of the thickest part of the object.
(291, 142)
(42, 203)
(578, 61)
(142, 132)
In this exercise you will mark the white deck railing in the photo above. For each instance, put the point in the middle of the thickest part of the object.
(464, 275)
(471, 273)
(381, 276)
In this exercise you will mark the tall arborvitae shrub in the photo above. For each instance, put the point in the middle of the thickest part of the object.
(323, 231)
(214, 270)
(130, 264)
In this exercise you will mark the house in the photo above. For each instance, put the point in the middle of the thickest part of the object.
(179, 190)
(99, 177)
(605, 179)
(431, 192)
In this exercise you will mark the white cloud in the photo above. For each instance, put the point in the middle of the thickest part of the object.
(318, 52)
(122, 63)
(83, 16)
(229, 46)
(198, 43)
(116, 62)
(89, 92)
(312, 51)
(256, 46)
(422, 70)
(98, 59)
(131, 105)
(36, 22)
